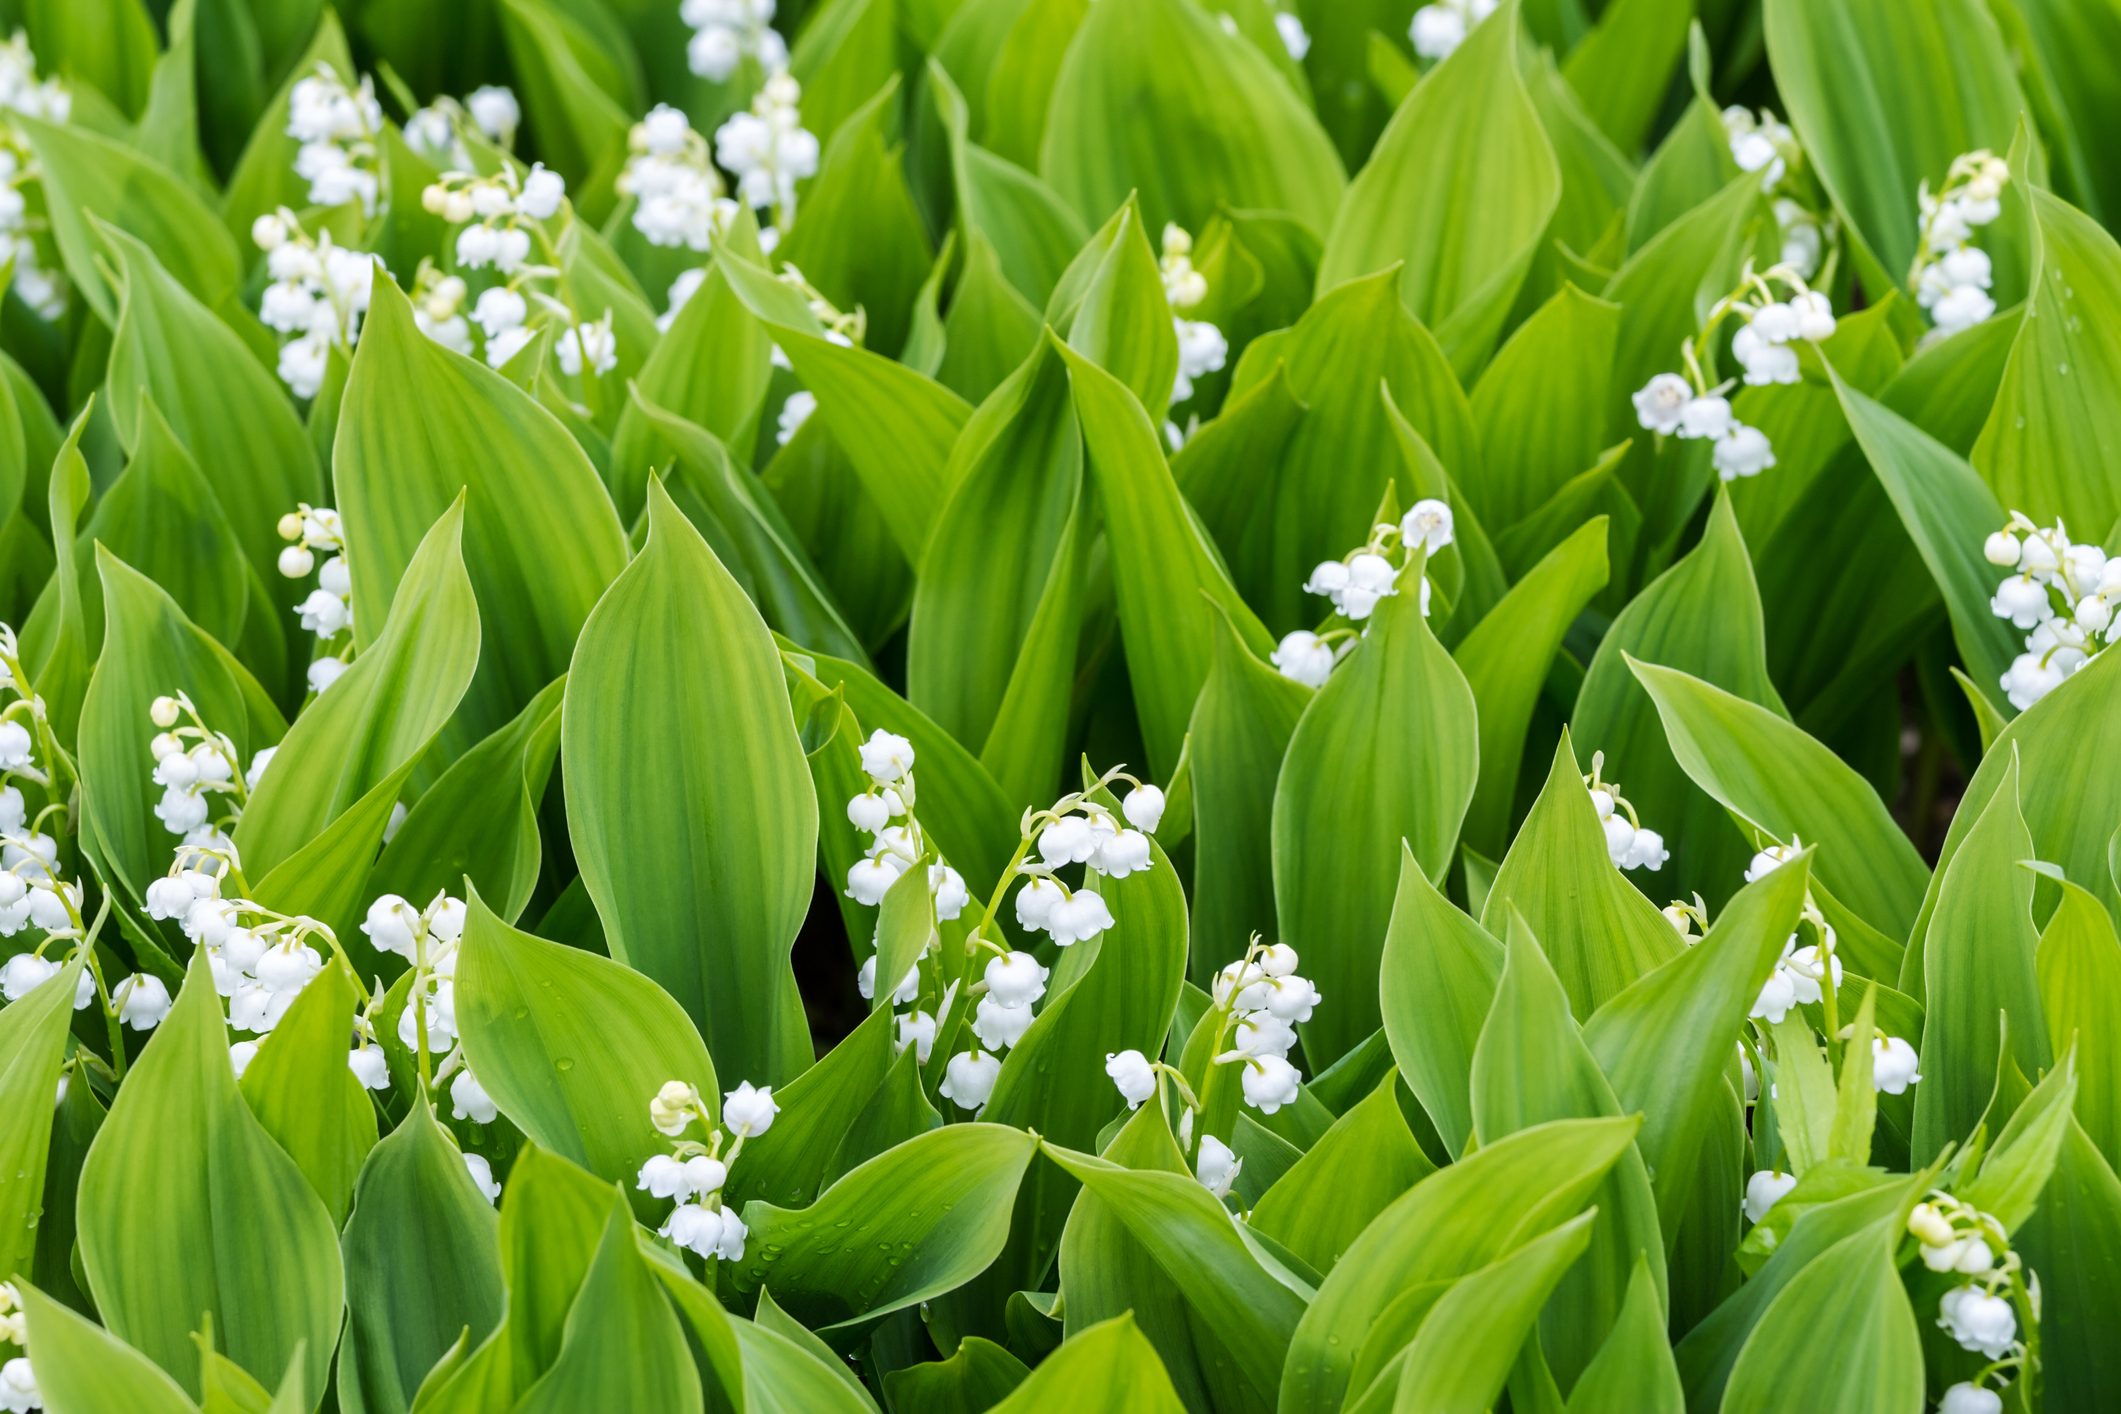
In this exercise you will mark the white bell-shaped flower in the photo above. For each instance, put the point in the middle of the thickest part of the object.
(1216, 1166)
(1965, 1398)
(999, 1025)
(1016, 979)
(1894, 1065)
(1979, 1320)
(968, 1079)
(916, 1029)
(1290, 998)
(369, 1066)
(1661, 402)
(886, 757)
(1304, 657)
(141, 1001)
(1144, 808)
(468, 1099)
(749, 1109)
(1269, 1083)
(1131, 1072)
(1124, 853)
(1764, 1190)
(1078, 918)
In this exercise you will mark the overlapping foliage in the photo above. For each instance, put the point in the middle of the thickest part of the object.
(578, 576)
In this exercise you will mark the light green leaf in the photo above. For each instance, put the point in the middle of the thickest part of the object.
(540, 537)
(1975, 968)
(1624, 66)
(1456, 1221)
(1387, 751)
(1166, 577)
(1542, 405)
(82, 1368)
(2073, 1239)
(1600, 932)
(1435, 988)
(1506, 659)
(415, 1210)
(1785, 785)
(690, 808)
(299, 1087)
(1108, 1366)
(1633, 1369)
(1253, 144)
(33, 1035)
(1353, 1173)
(1111, 305)
(572, 1046)
(2079, 965)
(228, 1232)
(1458, 191)
(908, 1225)
(1874, 1362)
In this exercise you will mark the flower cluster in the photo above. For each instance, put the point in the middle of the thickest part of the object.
(768, 150)
(1952, 275)
(1955, 1237)
(436, 132)
(678, 195)
(1439, 28)
(33, 891)
(1627, 841)
(1259, 1000)
(1782, 311)
(428, 938)
(727, 32)
(318, 295)
(494, 212)
(338, 127)
(2064, 592)
(887, 760)
(36, 278)
(1761, 142)
(693, 1173)
(260, 959)
(1202, 349)
(1356, 583)
(18, 1383)
(1077, 829)
(204, 786)
(327, 611)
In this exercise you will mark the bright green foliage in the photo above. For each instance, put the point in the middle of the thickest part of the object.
(1046, 705)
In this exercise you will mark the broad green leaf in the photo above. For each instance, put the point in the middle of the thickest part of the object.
(1666, 1041)
(572, 1046)
(2073, 1239)
(1784, 785)
(1435, 988)
(2015, 1171)
(1167, 579)
(1802, 1088)
(578, 96)
(264, 177)
(1462, 1353)
(107, 44)
(149, 650)
(415, 1211)
(1458, 192)
(859, 237)
(2055, 408)
(1884, 96)
(82, 1368)
(1633, 1370)
(229, 1231)
(1353, 1173)
(1252, 142)
(709, 372)
(86, 175)
(1873, 1363)
(1108, 1366)
(992, 645)
(622, 1342)
(1624, 66)
(1702, 617)
(979, 1376)
(553, 1221)
(1240, 731)
(748, 532)
(896, 425)
(1190, 1237)
(1019, 84)
(1386, 751)
(789, 1163)
(540, 537)
(227, 410)
(1456, 1221)
(1111, 305)
(1531, 1066)
(343, 762)
(299, 1087)
(2079, 965)
(479, 820)
(1977, 973)
(1542, 405)
(33, 1034)
(1506, 659)
(690, 808)
(908, 1225)
(1320, 494)
(1600, 932)
(1948, 511)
